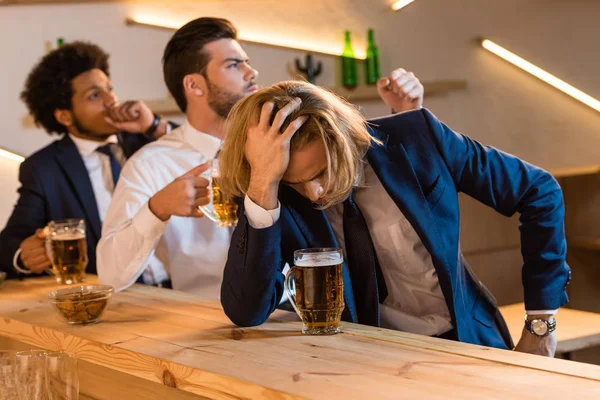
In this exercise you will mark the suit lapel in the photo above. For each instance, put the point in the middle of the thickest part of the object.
(74, 169)
(393, 168)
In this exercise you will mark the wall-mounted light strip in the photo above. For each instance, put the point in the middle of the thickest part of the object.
(400, 4)
(266, 37)
(11, 156)
(541, 74)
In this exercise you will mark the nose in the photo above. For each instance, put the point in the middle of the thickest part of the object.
(252, 74)
(313, 190)
(110, 99)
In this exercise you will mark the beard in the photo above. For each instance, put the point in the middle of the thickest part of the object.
(90, 133)
(220, 100)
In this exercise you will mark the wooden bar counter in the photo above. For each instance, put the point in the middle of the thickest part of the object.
(161, 344)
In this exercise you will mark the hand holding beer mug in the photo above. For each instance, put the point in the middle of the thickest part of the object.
(319, 289)
(67, 250)
(221, 210)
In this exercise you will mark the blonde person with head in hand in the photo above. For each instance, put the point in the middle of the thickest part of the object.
(313, 173)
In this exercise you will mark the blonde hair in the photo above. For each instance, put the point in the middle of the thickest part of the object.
(331, 119)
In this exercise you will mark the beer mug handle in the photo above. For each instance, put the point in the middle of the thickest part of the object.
(210, 214)
(288, 290)
(48, 246)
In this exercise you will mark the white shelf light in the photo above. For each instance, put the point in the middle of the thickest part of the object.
(11, 156)
(541, 74)
(401, 4)
(261, 37)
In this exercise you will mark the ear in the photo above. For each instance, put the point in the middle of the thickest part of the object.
(64, 117)
(194, 85)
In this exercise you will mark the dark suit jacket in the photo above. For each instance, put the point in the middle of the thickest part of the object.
(423, 165)
(55, 185)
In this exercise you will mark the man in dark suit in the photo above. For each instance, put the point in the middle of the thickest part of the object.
(69, 93)
(386, 192)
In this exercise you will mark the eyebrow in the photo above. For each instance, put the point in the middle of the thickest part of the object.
(305, 180)
(94, 87)
(230, 59)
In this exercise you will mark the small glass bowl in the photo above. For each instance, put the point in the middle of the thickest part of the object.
(81, 305)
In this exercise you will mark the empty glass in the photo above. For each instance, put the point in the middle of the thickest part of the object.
(30, 373)
(8, 384)
(62, 378)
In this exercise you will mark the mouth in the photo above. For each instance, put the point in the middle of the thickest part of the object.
(251, 89)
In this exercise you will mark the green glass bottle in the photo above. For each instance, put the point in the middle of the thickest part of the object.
(59, 42)
(372, 60)
(349, 77)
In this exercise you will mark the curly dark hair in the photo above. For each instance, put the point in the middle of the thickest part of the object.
(185, 53)
(48, 86)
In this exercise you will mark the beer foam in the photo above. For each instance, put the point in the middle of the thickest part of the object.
(319, 260)
(68, 236)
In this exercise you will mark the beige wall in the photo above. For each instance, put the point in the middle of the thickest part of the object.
(502, 106)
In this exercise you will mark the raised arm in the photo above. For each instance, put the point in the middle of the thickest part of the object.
(138, 216)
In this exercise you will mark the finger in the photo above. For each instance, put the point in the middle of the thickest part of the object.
(196, 170)
(293, 127)
(40, 233)
(197, 213)
(416, 93)
(409, 86)
(112, 122)
(283, 114)
(202, 192)
(397, 73)
(131, 111)
(201, 201)
(30, 254)
(265, 115)
(113, 113)
(200, 182)
(383, 83)
(38, 263)
(121, 115)
(398, 91)
(39, 268)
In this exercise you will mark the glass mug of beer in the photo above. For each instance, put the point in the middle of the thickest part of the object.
(67, 250)
(221, 210)
(318, 289)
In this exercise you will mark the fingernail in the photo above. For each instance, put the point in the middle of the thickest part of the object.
(298, 100)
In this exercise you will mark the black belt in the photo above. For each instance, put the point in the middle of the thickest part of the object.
(164, 284)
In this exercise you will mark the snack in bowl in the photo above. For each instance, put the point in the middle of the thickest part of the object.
(81, 305)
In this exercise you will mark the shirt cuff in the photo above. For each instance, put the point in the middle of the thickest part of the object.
(148, 224)
(541, 312)
(258, 217)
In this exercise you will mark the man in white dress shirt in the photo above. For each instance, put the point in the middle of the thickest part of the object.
(69, 93)
(153, 220)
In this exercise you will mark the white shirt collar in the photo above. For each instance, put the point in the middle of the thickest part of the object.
(202, 142)
(87, 147)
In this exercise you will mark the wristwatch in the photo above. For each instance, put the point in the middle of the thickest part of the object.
(152, 128)
(540, 327)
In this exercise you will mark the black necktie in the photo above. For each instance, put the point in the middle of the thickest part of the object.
(115, 167)
(368, 283)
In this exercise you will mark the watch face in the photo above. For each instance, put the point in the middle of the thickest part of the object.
(539, 327)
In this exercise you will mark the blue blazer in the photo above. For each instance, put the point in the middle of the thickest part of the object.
(423, 165)
(55, 185)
